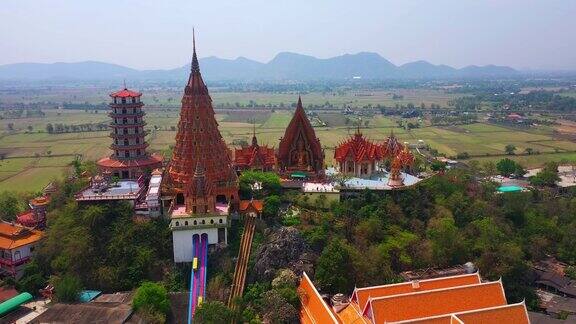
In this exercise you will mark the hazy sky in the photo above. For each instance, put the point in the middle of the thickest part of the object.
(158, 34)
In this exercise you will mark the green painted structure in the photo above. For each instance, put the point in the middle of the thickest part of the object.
(14, 302)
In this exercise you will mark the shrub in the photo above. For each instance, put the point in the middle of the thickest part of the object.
(153, 297)
(67, 289)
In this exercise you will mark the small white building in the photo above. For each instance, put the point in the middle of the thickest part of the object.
(185, 225)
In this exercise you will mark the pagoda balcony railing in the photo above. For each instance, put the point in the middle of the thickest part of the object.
(130, 135)
(128, 114)
(14, 263)
(126, 105)
(113, 125)
(129, 147)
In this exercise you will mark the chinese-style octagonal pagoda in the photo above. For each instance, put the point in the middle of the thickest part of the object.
(300, 152)
(129, 158)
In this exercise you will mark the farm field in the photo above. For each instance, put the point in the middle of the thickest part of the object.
(170, 97)
(32, 159)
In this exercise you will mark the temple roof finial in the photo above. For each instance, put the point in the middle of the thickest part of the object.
(125, 84)
(358, 127)
(195, 67)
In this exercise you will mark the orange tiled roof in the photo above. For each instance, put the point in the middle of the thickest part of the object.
(361, 295)
(314, 309)
(255, 155)
(359, 148)
(352, 314)
(257, 204)
(435, 302)
(510, 314)
(13, 236)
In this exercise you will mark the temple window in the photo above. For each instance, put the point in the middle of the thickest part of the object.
(203, 222)
(133, 100)
(186, 223)
(195, 222)
(123, 110)
(126, 153)
(211, 221)
(126, 142)
(124, 120)
(123, 100)
(177, 223)
(125, 131)
(220, 220)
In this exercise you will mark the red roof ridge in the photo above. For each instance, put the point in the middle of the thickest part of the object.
(432, 291)
(424, 280)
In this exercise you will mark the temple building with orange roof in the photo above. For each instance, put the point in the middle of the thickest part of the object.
(200, 185)
(358, 156)
(252, 207)
(300, 154)
(255, 157)
(129, 159)
(454, 299)
(17, 244)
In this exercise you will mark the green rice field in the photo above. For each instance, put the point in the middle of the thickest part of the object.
(31, 159)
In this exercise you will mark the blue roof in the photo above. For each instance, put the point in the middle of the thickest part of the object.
(88, 295)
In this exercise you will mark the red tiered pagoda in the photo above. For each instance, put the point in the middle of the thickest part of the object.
(199, 142)
(300, 153)
(129, 159)
(358, 156)
(255, 157)
(402, 160)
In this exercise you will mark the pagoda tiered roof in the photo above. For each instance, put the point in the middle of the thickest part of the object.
(125, 93)
(198, 139)
(255, 156)
(392, 146)
(359, 148)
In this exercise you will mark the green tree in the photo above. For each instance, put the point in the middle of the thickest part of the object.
(334, 268)
(9, 205)
(437, 166)
(32, 279)
(510, 149)
(269, 181)
(213, 312)
(271, 206)
(548, 176)
(277, 309)
(507, 167)
(447, 241)
(489, 168)
(67, 289)
(152, 296)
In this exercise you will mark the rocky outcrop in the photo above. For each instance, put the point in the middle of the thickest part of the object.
(285, 248)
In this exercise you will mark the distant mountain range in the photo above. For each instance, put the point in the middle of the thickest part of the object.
(285, 66)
